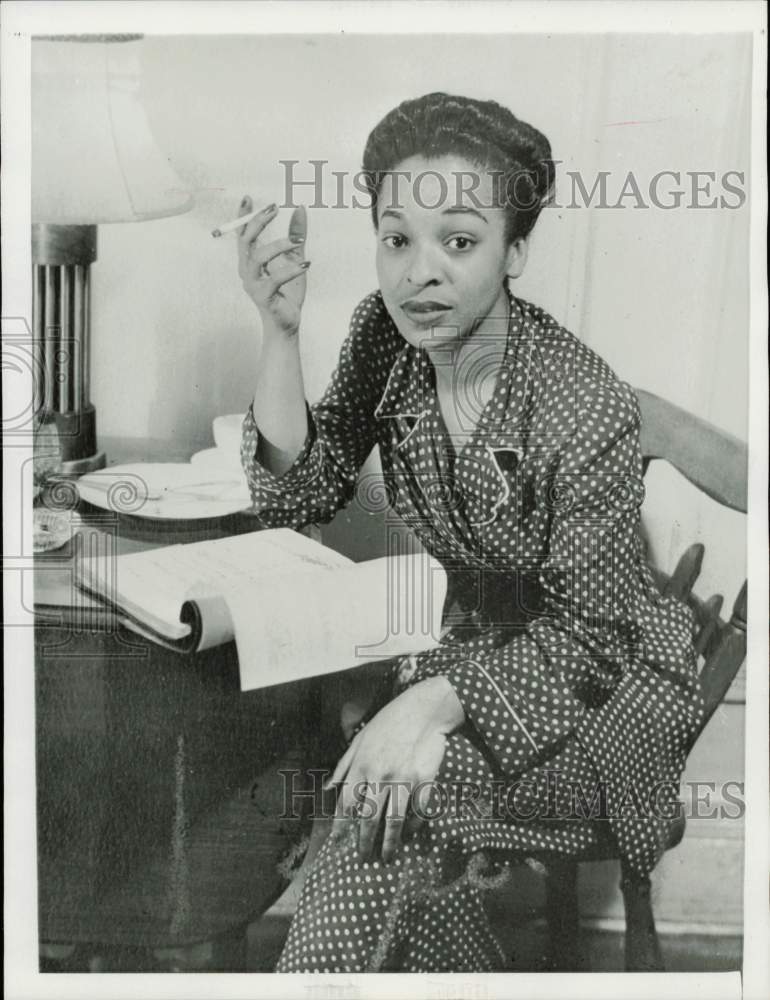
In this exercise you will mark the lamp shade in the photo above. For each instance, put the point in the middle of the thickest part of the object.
(94, 158)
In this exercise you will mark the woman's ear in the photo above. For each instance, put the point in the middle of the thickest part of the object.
(516, 258)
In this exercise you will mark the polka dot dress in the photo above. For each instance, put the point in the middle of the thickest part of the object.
(578, 679)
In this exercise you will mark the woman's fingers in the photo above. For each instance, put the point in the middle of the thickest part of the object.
(343, 764)
(344, 812)
(298, 224)
(372, 807)
(261, 257)
(348, 801)
(243, 247)
(414, 821)
(253, 258)
(288, 275)
(245, 208)
(250, 232)
(246, 205)
(266, 286)
(395, 817)
(370, 815)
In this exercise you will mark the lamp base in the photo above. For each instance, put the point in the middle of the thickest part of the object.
(77, 441)
(62, 256)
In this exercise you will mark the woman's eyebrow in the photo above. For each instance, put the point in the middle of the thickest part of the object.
(457, 210)
(465, 210)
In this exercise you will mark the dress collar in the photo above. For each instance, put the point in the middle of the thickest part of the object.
(410, 388)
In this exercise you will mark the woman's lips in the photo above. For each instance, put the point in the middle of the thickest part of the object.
(425, 312)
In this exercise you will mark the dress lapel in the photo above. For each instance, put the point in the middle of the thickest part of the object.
(500, 442)
(405, 400)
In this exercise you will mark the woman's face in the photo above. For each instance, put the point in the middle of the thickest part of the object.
(442, 257)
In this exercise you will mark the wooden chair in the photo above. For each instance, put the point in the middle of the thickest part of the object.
(717, 464)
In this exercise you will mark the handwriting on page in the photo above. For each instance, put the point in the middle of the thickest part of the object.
(242, 561)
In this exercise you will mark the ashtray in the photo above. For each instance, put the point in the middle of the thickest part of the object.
(51, 529)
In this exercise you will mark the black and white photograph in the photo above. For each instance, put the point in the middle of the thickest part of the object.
(384, 502)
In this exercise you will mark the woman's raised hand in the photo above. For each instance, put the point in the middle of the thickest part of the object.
(273, 274)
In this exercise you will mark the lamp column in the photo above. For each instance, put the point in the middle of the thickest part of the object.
(61, 261)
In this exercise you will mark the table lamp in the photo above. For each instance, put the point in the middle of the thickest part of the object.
(94, 161)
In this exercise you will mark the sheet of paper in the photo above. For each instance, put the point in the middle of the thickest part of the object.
(298, 626)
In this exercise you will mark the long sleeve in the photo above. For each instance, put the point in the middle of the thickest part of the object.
(525, 697)
(341, 433)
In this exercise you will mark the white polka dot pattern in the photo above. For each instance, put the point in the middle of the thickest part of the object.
(565, 652)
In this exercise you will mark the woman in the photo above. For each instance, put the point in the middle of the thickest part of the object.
(512, 451)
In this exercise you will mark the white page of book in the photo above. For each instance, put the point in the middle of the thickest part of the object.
(153, 585)
(241, 561)
(279, 550)
(299, 626)
(145, 584)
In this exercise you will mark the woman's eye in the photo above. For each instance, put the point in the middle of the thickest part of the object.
(460, 242)
(394, 241)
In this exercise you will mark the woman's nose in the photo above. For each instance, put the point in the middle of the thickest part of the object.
(423, 267)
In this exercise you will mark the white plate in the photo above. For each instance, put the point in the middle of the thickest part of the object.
(178, 491)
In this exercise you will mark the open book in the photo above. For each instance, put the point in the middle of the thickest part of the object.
(294, 607)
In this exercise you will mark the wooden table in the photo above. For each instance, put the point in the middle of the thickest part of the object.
(159, 792)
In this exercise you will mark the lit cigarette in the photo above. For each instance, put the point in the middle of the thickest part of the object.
(229, 227)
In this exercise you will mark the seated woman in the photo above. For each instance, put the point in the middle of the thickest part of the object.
(551, 719)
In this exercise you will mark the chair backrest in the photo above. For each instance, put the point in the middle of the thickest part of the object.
(717, 463)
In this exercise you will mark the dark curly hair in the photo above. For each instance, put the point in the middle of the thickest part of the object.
(483, 132)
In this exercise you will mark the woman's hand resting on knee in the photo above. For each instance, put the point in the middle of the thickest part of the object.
(398, 750)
